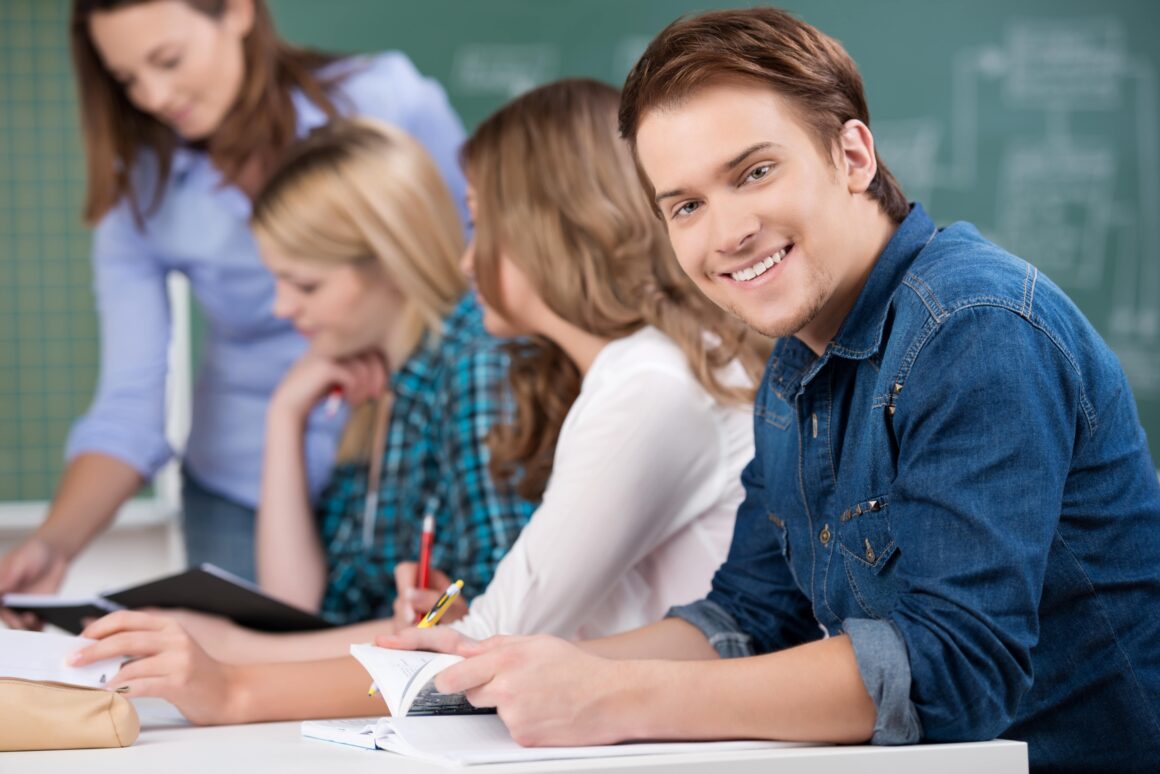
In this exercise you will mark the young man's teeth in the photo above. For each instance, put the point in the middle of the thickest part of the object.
(759, 268)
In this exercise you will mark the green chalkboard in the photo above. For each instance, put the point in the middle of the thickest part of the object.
(1038, 120)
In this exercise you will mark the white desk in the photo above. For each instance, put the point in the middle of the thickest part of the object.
(168, 746)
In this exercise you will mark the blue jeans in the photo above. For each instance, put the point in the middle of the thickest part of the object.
(216, 530)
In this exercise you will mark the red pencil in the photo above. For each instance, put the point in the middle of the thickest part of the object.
(425, 541)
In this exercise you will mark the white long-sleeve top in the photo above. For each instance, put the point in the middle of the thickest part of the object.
(638, 512)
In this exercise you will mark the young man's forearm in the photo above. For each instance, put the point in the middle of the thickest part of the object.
(813, 692)
(670, 639)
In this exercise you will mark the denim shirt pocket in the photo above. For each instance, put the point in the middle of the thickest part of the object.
(868, 555)
(775, 413)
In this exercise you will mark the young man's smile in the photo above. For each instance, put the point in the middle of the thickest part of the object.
(768, 224)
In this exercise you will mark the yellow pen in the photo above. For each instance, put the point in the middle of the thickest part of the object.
(436, 612)
(433, 616)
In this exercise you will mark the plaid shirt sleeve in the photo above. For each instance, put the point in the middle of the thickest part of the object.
(487, 517)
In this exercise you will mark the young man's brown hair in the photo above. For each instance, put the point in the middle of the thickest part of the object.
(767, 46)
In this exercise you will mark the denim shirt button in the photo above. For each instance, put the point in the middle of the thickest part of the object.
(825, 535)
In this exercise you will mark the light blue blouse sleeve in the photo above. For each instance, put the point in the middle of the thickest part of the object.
(126, 419)
(389, 87)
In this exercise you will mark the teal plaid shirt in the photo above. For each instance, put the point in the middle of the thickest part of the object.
(447, 396)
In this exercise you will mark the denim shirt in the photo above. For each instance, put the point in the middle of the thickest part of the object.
(959, 483)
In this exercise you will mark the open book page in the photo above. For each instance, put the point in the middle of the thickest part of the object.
(39, 656)
(406, 680)
(356, 732)
(466, 741)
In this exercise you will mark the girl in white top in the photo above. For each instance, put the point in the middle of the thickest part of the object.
(633, 417)
(633, 421)
(639, 511)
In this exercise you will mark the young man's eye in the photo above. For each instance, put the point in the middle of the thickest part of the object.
(306, 289)
(688, 208)
(171, 64)
(759, 172)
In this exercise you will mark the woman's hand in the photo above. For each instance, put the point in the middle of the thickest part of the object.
(412, 601)
(164, 661)
(36, 567)
(360, 377)
(220, 637)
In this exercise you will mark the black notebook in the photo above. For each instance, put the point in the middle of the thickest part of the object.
(206, 589)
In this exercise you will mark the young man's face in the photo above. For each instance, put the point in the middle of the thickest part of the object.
(761, 221)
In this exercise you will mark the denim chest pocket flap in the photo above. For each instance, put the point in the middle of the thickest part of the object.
(869, 554)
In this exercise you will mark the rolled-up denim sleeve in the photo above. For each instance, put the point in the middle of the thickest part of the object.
(718, 626)
(975, 536)
(126, 419)
(754, 605)
(885, 669)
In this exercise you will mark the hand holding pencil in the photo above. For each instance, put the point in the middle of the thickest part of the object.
(441, 605)
(412, 602)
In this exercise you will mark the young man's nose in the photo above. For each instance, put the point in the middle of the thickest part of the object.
(734, 231)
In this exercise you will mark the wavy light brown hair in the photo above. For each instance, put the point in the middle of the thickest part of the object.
(359, 191)
(260, 126)
(767, 46)
(557, 194)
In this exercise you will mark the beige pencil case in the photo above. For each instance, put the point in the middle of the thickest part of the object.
(51, 716)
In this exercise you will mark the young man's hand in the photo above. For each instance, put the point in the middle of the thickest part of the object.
(548, 692)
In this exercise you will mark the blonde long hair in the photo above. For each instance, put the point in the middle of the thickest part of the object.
(557, 193)
(360, 190)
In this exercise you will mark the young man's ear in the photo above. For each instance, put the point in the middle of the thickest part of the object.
(857, 159)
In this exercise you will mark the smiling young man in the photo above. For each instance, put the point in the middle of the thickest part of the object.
(952, 523)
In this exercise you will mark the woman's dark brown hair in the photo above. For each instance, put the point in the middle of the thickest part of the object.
(557, 194)
(261, 124)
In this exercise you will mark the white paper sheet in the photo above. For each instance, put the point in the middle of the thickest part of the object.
(40, 656)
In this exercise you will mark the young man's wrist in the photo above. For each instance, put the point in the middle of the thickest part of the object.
(629, 701)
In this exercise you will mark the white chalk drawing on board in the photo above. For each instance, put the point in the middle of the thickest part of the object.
(1056, 193)
(506, 70)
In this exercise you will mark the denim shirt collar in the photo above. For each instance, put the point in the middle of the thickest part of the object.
(860, 335)
(793, 364)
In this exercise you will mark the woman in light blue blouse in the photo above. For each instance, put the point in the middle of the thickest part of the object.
(186, 107)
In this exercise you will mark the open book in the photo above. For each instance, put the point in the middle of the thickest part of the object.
(207, 589)
(406, 679)
(446, 729)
